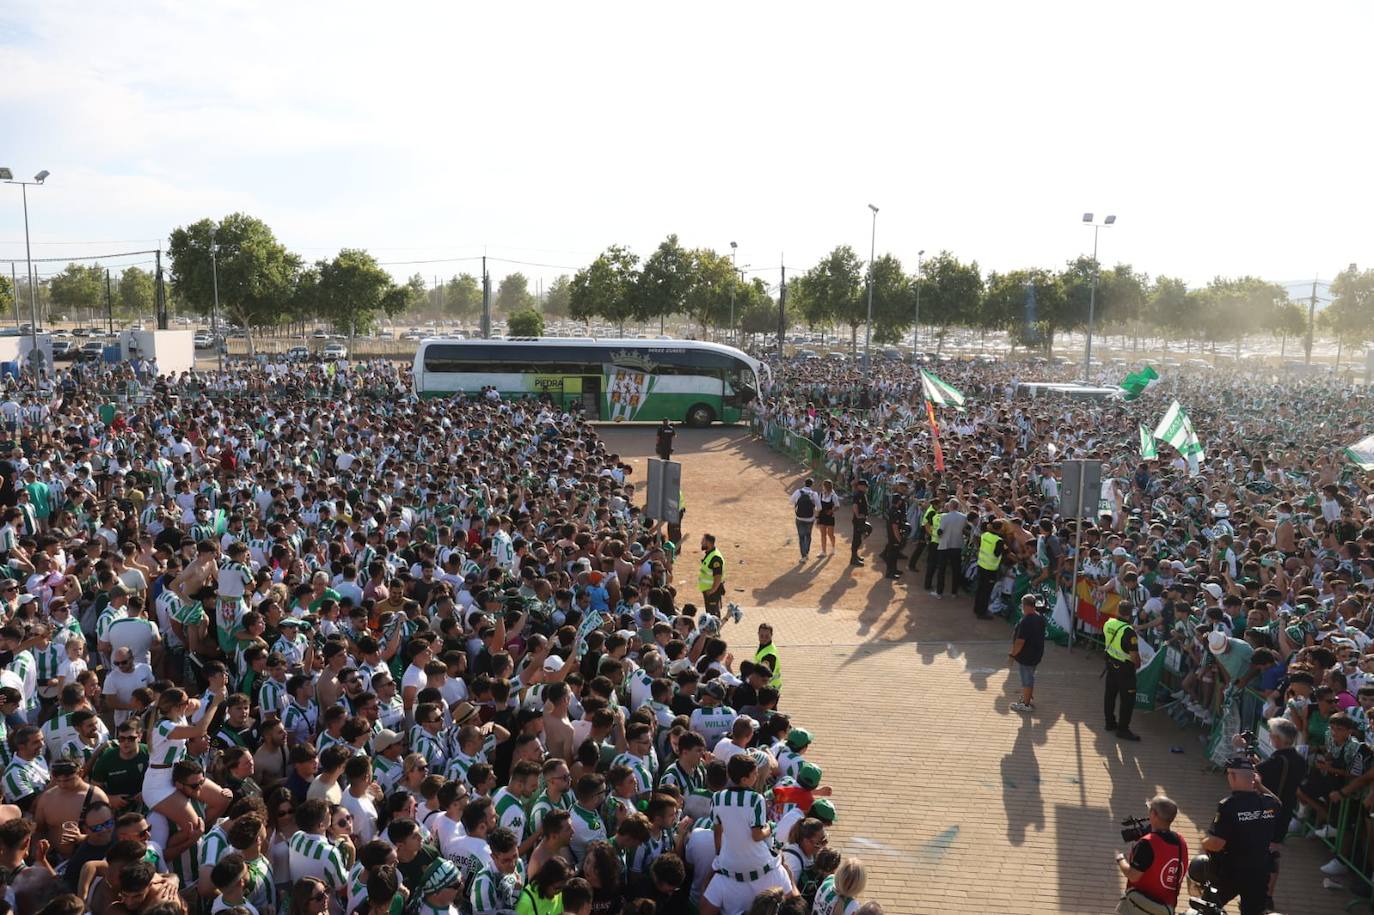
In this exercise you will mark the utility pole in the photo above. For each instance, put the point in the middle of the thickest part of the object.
(782, 307)
(486, 301)
(109, 304)
(159, 296)
(14, 294)
(1311, 320)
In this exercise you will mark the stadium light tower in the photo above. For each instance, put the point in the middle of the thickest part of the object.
(7, 176)
(1092, 294)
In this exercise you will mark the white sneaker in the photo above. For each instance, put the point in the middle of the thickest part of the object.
(1020, 707)
(1294, 826)
(935, 595)
(1326, 832)
(1329, 884)
(1334, 868)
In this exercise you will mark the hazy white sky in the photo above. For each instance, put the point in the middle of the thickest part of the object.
(1227, 137)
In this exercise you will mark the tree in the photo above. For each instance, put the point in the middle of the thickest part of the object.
(1288, 320)
(353, 289)
(526, 322)
(256, 274)
(1350, 316)
(1121, 296)
(136, 291)
(1232, 308)
(832, 289)
(1167, 308)
(952, 293)
(7, 293)
(557, 297)
(513, 294)
(708, 297)
(79, 286)
(893, 300)
(463, 296)
(1007, 304)
(605, 287)
(664, 282)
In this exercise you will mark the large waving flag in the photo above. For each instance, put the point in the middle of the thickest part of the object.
(939, 393)
(1148, 451)
(1362, 453)
(1176, 430)
(1137, 383)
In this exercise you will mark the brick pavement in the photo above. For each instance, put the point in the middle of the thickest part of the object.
(954, 802)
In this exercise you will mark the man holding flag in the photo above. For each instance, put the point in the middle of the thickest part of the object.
(1176, 430)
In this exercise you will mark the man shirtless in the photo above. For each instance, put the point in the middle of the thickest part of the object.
(62, 802)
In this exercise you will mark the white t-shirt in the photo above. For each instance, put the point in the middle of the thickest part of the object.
(136, 633)
(121, 684)
(364, 815)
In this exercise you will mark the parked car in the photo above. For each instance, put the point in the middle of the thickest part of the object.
(203, 339)
(806, 354)
(297, 354)
(63, 349)
(892, 354)
(334, 351)
(93, 351)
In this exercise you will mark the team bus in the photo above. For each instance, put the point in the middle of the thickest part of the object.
(615, 380)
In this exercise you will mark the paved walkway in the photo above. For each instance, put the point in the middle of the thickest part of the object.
(954, 802)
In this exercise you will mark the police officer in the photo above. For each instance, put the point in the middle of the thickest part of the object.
(711, 577)
(896, 528)
(663, 440)
(1123, 658)
(991, 546)
(1238, 841)
(860, 518)
(1158, 861)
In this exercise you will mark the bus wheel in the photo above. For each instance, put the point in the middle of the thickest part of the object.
(700, 415)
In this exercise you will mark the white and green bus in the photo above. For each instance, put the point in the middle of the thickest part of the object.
(616, 380)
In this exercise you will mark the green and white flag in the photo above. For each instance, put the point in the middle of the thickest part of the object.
(1177, 431)
(1148, 451)
(1137, 383)
(1362, 453)
(939, 393)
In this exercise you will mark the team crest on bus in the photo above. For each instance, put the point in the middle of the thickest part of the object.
(633, 360)
(626, 389)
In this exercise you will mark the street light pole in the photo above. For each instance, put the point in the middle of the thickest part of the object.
(916, 322)
(1092, 292)
(8, 177)
(214, 308)
(872, 251)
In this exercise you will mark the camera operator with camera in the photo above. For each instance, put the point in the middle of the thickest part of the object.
(1154, 869)
(1239, 859)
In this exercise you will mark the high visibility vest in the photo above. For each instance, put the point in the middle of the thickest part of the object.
(987, 556)
(1112, 634)
(706, 578)
(770, 654)
(934, 521)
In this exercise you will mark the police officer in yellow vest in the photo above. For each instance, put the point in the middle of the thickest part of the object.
(927, 536)
(1123, 658)
(768, 655)
(991, 546)
(711, 578)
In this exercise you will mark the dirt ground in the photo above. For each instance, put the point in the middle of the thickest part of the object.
(954, 802)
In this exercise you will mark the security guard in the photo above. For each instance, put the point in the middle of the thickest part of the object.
(896, 528)
(991, 546)
(768, 655)
(711, 578)
(1238, 841)
(860, 517)
(928, 537)
(1123, 658)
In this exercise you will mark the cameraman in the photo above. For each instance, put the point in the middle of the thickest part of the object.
(1157, 862)
(1238, 841)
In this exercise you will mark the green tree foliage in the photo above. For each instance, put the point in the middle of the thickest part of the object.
(1230, 309)
(7, 292)
(1121, 295)
(1167, 307)
(354, 289)
(527, 322)
(605, 288)
(1288, 320)
(831, 291)
(1350, 316)
(557, 297)
(257, 275)
(79, 286)
(664, 281)
(513, 294)
(708, 297)
(952, 293)
(463, 296)
(894, 299)
(1005, 306)
(136, 291)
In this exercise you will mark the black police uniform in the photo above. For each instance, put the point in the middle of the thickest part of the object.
(861, 525)
(1246, 820)
(896, 519)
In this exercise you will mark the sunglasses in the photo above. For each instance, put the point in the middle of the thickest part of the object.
(194, 786)
(319, 896)
(103, 827)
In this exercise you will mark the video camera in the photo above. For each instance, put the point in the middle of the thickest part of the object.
(1133, 829)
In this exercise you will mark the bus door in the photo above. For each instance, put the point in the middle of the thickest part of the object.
(591, 396)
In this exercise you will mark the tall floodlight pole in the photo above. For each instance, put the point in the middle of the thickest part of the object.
(1092, 293)
(734, 248)
(8, 177)
(872, 251)
(214, 313)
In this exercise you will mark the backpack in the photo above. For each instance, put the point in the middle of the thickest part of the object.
(806, 506)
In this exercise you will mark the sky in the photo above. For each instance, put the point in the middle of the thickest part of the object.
(1220, 134)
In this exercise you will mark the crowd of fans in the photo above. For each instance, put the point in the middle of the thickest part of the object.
(285, 638)
(1254, 575)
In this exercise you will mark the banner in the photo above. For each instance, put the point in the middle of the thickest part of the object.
(1362, 453)
(935, 438)
(1092, 613)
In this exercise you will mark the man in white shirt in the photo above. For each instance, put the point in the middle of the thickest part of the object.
(358, 799)
(120, 683)
(741, 736)
(136, 633)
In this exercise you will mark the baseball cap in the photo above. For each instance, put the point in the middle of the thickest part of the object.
(679, 666)
(385, 738)
(288, 621)
(715, 688)
(1213, 589)
(553, 663)
(1217, 641)
(798, 738)
(1120, 551)
(824, 811)
(809, 776)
